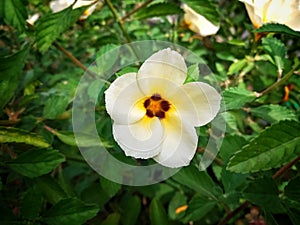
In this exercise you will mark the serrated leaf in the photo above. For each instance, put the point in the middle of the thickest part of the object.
(264, 192)
(55, 106)
(273, 147)
(198, 207)
(15, 135)
(236, 98)
(196, 180)
(70, 211)
(50, 27)
(159, 9)
(158, 214)
(277, 28)
(14, 13)
(273, 113)
(34, 163)
(237, 65)
(292, 190)
(231, 144)
(11, 71)
(276, 50)
(205, 8)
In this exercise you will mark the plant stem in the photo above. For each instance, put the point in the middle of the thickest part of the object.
(279, 81)
(278, 174)
(135, 10)
(118, 19)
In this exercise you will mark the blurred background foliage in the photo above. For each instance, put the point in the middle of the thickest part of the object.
(45, 180)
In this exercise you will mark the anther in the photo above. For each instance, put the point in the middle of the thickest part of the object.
(160, 114)
(156, 97)
(147, 103)
(165, 105)
(149, 113)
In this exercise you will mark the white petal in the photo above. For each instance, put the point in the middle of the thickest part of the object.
(166, 65)
(198, 23)
(140, 140)
(59, 5)
(123, 100)
(197, 101)
(179, 144)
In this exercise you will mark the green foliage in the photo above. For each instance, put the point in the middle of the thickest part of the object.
(267, 151)
(44, 179)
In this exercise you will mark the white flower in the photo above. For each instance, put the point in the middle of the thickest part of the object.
(198, 23)
(274, 11)
(32, 19)
(59, 5)
(154, 114)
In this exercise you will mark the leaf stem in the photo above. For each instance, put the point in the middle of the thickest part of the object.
(135, 10)
(278, 174)
(279, 81)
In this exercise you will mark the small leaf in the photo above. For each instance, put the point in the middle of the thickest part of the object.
(111, 188)
(205, 8)
(198, 207)
(273, 113)
(277, 28)
(237, 66)
(273, 147)
(70, 211)
(159, 9)
(11, 71)
(264, 192)
(112, 219)
(50, 27)
(31, 203)
(55, 106)
(236, 98)
(178, 200)
(292, 190)
(230, 145)
(192, 73)
(11, 135)
(14, 13)
(276, 50)
(34, 163)
(158, 214)
(197, 180)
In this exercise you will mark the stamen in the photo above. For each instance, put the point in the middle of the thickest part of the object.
(156, 97)
(156, 106)
(160, 114)
(149, 113)
(165, 105)
(147, 103)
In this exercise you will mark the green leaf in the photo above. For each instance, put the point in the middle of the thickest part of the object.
(50, 27)
(276, 50)
(55, 106)
(236, 98)
(273, 113)
(11, 135)
(159, 9)
(14, 13)
(31, 203)
(177, 201)
(158, 214)
(50, 189)
(237, 66)
(11, 71)
(273, 147)
(112, 219)
(264, 192)
(197, 180)
(206, 8)
(70, 211)
(292, 190)
(111, 188)
(34, 163)
(192, 73)
(277, 28)
(198, 207)
(231, 144)
(131, 208)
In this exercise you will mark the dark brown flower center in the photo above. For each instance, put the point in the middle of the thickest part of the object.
(156, 106)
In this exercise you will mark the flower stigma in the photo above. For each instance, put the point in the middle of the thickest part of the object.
(156, 106)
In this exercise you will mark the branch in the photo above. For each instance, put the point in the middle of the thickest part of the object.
(278, 174)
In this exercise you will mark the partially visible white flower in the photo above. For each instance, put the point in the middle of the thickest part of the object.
(155, 114)
(285, 12)
(198, 23)
(59, 5)
(32, 19)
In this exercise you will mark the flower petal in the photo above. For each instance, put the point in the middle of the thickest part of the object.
(141, 139)
(198, 23)
(197, 101)
(166, 65)
(179, 144)
(123, 100)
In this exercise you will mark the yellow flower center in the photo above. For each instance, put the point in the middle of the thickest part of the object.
(156, 106)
